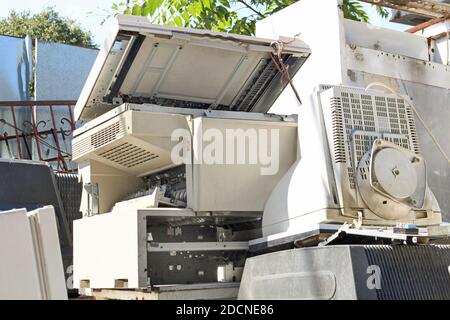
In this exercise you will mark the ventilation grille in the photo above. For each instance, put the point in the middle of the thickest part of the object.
(338, 130)
(411, 272)
(413, 130)
(99, 139)
(105, 135)
(255, 89)
(81, 147)
(399, 140)
(358, 118)
(363, 171)
(361, 143)
(128, 155)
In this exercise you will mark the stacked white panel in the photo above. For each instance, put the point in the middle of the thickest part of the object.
(31, 267)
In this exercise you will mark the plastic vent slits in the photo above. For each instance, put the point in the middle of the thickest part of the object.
(128, 155)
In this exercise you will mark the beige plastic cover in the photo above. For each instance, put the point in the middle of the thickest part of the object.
(145, 63)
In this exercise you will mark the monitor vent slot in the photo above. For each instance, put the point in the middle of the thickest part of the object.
(359, 117)
(128, 155)
(106, 135)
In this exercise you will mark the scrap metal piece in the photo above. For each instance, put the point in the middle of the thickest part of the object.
(426, 8)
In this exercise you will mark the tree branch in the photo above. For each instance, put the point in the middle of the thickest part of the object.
(251, 8)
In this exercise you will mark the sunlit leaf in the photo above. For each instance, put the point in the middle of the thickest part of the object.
(206, 4)
(136, 11)
(178, 21)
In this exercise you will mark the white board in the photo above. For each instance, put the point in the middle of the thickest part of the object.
(31, 264)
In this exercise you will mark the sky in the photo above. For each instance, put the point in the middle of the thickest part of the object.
(90, 13)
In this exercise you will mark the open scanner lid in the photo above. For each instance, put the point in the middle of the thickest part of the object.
(142, 62)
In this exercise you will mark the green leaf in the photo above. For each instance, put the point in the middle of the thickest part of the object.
(136, 10)
(206, 4)
(186, 16)
(225, 3)
(178, 21)
(152, 6)
(145, 9)
(191, 10)
(384, 13)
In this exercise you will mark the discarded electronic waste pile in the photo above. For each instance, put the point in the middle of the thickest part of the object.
(186, 175)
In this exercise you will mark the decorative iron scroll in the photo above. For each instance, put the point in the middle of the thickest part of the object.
(38, 130)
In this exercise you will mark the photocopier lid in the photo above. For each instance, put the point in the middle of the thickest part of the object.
(141, 62)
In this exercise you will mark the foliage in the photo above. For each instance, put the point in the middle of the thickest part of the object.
(237, 16)
(47, 25)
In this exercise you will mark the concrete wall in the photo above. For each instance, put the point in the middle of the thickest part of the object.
(60, 73)
(61, 70)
